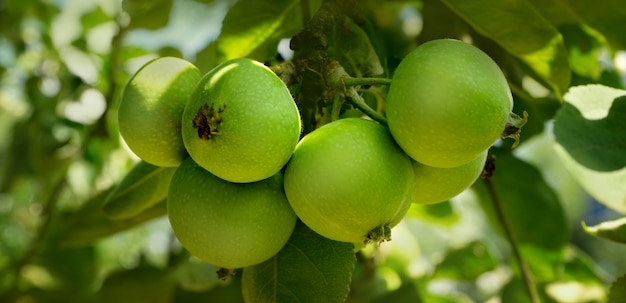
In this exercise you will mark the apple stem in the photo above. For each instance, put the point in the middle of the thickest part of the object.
(527, 276)
(352, 81)
(359, 103)
(338, 100)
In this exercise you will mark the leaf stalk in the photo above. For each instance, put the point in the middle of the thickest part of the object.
(527, 276)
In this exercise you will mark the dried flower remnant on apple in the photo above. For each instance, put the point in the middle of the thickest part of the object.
(207, 121)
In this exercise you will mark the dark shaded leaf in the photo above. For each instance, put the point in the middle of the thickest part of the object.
(530, 207)
(228, 291)
(584, 49)
(580, 267)
(207, 58)
(310, 268)
(435, 13)
(141, 284)
(556, 11)
(519, 28)
(594, 102)
(148, 14)
(516, 291)
(617, 293)
(607, 17)
(74, 269)
(466, 263)
(355, 50)
(406, 293)
(592, 140)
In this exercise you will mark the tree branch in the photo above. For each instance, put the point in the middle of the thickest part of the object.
(351, 81)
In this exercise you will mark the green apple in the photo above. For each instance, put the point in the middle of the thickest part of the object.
(447, 103)
(437, 184)
(151, 108)
(226, 224)
(349, 181)
(241, 123)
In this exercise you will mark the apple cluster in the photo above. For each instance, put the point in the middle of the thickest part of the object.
(228, 133)
(244, 174)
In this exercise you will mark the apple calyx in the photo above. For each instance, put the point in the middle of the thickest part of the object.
(513, 127)
(207, 121)
(378, 235)
(225, 273)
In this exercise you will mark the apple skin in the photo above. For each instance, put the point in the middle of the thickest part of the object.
(241, 123)
(436, 184)
(448, 102)
(151, 108)
(226, 224)
(349, 178)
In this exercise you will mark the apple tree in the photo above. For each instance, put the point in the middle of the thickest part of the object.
(312, 151)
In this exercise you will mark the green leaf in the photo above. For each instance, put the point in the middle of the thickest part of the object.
(207, 58)
(89, 224)
(94, 18)
(577, 278)
(542, 262)
(607, 17)
(148, 14)
(142, 187)
(580, 267)
(223, 291)
(520, 28)
(310, 268)
(593, 141)
(614, 230)
(144, 283)
(516, 291)
(590, 158)
(406, 293)
(617, 293)
(584, 49)
(556, 11)
(523, 195)
(435, 13)
(75, 269)
(354, 49)
(466, 263)
(253, 28)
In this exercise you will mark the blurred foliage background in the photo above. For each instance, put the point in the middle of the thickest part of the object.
(63, 64)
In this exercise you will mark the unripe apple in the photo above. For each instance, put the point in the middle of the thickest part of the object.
(241, 123)
(151, 108)
(447, 103)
